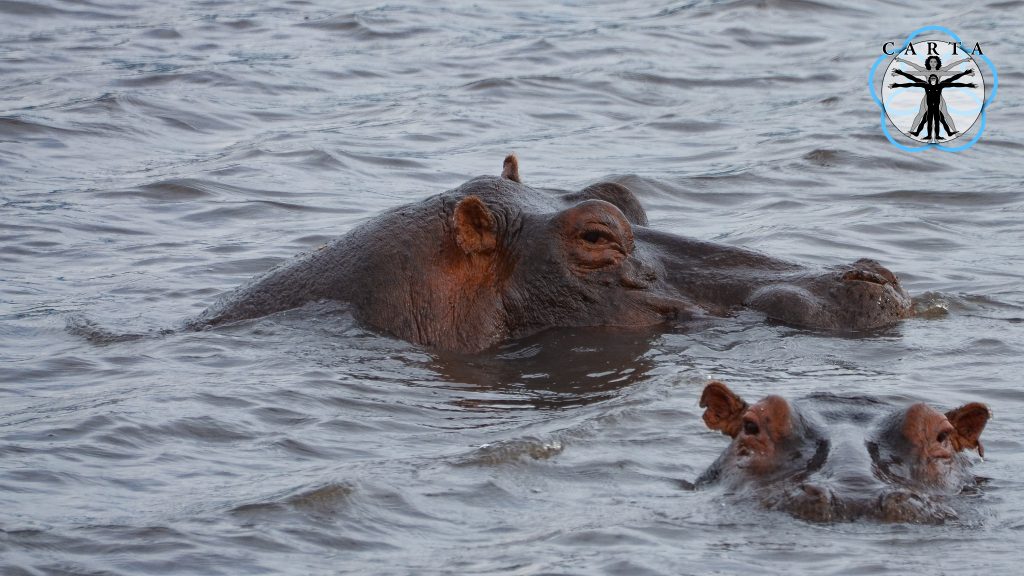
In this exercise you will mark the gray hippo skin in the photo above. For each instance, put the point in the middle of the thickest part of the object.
(826, 458)
(495, 259)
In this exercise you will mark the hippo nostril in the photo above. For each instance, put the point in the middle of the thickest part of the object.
(634, 283)
(637, 275)
(902, 506)
(811, 490)
(812, 502)
(894, 498)
(864, 276)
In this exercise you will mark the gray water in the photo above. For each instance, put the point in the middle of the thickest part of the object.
(153, 156)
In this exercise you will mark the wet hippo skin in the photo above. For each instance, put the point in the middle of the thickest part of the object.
(495, 259)
(828, 458)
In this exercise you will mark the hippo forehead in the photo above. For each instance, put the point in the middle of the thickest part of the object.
(863, 417)
(817, 418)
(829, 409)
(867, 444)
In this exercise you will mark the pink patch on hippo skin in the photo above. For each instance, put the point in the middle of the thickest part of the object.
(929, 432)
(763, 427)
(938, 437)
(474, 226)
(596, 235)
(757, 429)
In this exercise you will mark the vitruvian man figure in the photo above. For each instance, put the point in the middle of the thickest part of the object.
(933, 65)
(933, 103)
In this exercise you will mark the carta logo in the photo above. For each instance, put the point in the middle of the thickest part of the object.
(932, 91)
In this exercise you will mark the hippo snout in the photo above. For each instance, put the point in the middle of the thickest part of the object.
(637, 275)
(902, 506)
(866, 295)
(812, 502)
(821, 503)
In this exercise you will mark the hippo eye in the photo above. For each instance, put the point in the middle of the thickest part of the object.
(592, 237)
(942, 437)
(750, 427)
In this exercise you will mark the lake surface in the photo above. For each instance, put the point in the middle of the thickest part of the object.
(155, 155)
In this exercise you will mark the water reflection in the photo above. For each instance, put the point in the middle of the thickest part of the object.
(556, 368)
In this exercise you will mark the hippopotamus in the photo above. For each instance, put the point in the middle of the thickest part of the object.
(829, 458)
(496, 259)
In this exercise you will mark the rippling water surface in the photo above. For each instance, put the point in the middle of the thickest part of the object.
(154, 155)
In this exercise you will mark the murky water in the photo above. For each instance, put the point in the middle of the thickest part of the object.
(153, 156)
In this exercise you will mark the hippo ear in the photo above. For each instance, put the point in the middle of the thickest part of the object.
(510, 170)
(725, 409)
(615, 194)
(968, 421)
(475, 230)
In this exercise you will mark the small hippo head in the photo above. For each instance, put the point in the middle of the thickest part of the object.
(827, 458)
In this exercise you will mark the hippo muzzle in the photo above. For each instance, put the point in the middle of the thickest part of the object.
(818, 503)
(842, 485)
(862, 295)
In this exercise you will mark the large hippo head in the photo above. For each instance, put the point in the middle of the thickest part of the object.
(827, 458)
(496, 259)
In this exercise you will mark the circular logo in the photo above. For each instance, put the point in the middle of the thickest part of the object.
(933, 91)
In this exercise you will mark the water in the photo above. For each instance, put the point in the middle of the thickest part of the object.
(155, 155)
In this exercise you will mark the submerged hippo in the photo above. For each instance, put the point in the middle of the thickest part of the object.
(495, 259)
(827, 458)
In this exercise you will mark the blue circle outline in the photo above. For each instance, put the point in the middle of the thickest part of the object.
(885, 129)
